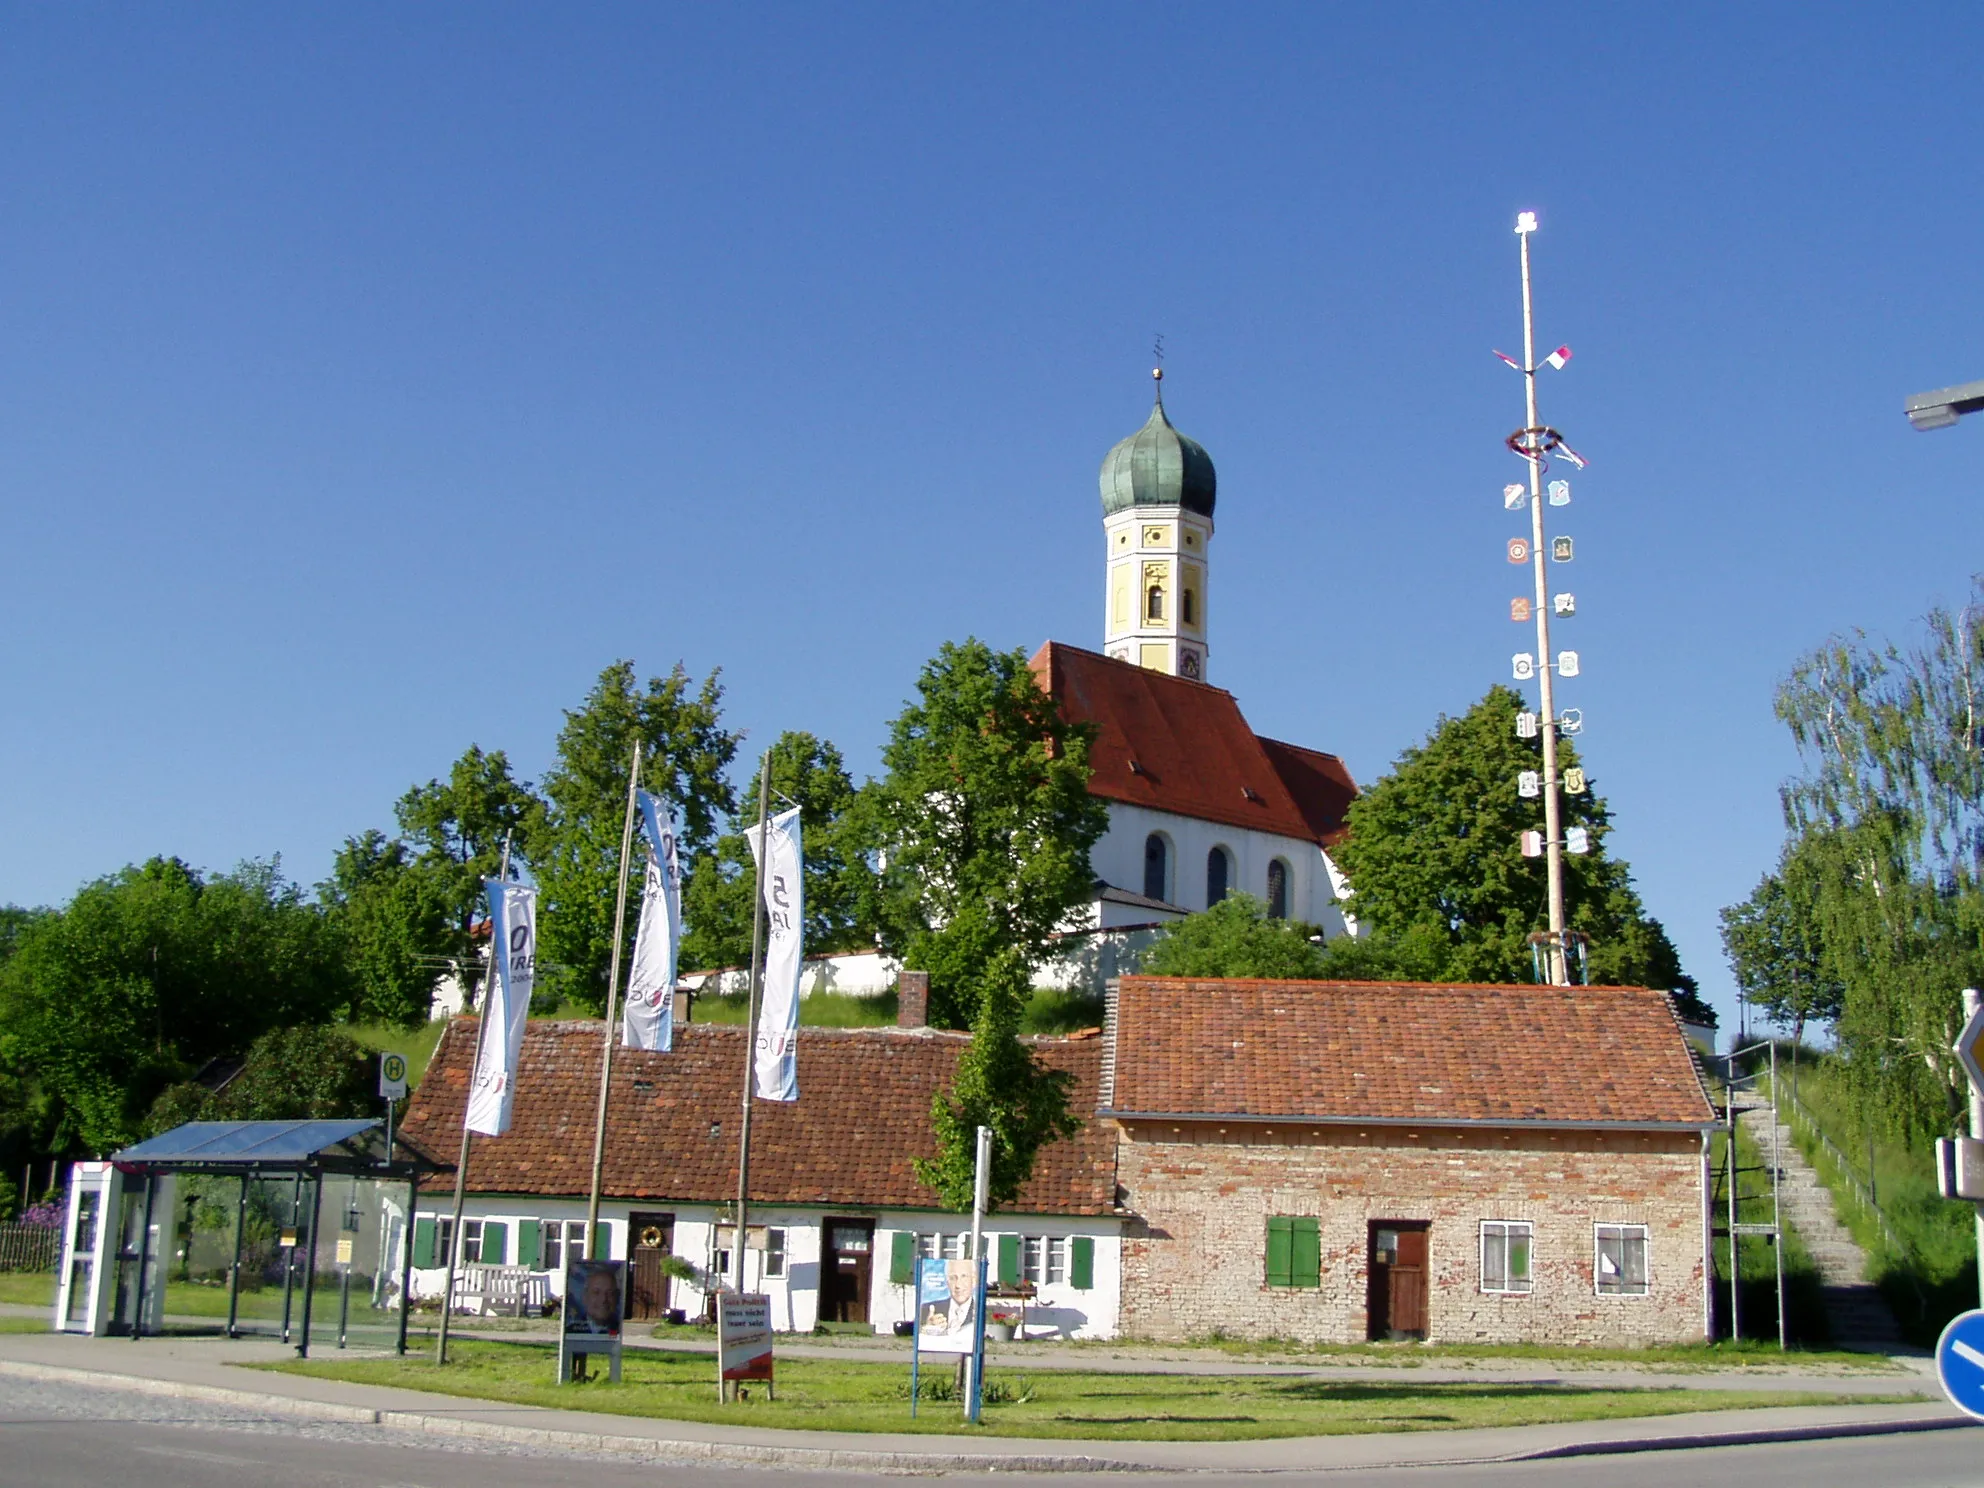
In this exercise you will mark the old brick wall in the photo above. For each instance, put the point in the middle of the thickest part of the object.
(1195, 1259)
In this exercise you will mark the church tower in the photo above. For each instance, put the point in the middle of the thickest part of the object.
(1157, 499)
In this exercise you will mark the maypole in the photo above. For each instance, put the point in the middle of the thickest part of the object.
(1536, 442)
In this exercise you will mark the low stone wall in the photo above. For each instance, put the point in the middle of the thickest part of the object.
(1194, 1260)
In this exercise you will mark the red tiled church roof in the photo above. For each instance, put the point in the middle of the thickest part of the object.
(862, 1117)
(1181, 746)
(1402, 1052)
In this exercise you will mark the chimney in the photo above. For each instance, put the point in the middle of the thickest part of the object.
(912, 999)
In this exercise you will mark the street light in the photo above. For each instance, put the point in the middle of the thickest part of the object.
(1941, 408)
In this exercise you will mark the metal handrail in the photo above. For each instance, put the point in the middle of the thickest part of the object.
(1863, 1193)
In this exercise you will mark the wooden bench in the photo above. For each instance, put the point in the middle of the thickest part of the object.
(498, 1289)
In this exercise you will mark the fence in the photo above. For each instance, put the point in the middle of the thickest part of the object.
(1863, 1193)
(28, 1247)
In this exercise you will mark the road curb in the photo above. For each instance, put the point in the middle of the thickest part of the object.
(854, 1459)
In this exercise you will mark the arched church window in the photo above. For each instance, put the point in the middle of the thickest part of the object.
(1218, 870)
(1155, 855)
(1188, 609)
(1278, 889)
(1154, 603)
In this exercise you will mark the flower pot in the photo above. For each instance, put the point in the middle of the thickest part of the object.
(1003, 1331)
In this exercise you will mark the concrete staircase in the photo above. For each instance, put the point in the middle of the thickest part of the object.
(1855, 1310)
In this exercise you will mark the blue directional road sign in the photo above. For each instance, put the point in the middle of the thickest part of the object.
(1960, 1362)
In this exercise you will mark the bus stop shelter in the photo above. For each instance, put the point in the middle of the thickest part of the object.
(304, 1152)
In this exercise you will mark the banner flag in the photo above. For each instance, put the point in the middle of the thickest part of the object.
(648, 1021)
(505, 1005)
(778, 1015)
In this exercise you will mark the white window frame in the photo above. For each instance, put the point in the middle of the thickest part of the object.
(471, 1242)
(929, 1245)
(774, 1263)
(1623, 1232)
(1503, 1229)
(1057, 1260)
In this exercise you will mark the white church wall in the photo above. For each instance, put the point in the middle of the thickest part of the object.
(1314, 884)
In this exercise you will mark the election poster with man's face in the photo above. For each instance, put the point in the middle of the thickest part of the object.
(947, 1306)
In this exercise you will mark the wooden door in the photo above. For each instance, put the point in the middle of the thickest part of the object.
(1396, 1301)
(650, 1236)
(848, 1271)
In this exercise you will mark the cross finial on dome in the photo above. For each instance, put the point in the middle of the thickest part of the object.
(1157, 372)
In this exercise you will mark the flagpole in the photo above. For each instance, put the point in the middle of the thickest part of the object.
(751, 995)
(461, 1161)
(593, 1246)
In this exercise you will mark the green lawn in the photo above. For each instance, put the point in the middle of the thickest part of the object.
(832, 1395)
(28, 1288)
(1749, 1353)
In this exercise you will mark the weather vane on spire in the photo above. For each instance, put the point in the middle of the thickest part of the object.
(1157, 372)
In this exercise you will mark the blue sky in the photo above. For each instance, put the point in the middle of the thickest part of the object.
(371, 376)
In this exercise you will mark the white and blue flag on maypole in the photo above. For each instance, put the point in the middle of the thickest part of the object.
(505, 1005)
(779, 870)
(649, 1019)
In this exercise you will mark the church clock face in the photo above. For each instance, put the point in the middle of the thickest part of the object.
(1188, 664)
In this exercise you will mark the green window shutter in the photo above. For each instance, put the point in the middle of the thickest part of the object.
(1009, 1260)
(902, 1258)
(1081, 1262)
(1305, 1261)
(529, 1243)
(1281, 1245)
(423, 1243)
(495, 1242)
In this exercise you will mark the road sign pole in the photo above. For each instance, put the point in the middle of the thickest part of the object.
(1973, 1004)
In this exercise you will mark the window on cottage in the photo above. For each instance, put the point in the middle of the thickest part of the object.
(1278, 890)
(1154, 603)
(1621, 1260)
(1218, 870)
(1504, 1255)
(471, 1241)
(929, 1246)
(1046, 1259)
(1154, 866)
(957, 1247)
(1295, 1251)
(774, 1251)
(562, 1239)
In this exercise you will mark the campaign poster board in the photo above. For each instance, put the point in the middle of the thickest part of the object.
(946, 1306)
(744, 1336)
(595, 1301)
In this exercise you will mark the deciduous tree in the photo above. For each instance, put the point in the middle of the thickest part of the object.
(1435, 862)
(981, 826)
(686, 751)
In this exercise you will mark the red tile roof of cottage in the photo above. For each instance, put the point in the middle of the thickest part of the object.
(862, 1117)
(1181, 746)
(1402, 1053)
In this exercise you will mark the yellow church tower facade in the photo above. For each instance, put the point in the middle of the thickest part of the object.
(1158, 491)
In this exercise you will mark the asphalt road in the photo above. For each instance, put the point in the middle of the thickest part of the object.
(56, 1436)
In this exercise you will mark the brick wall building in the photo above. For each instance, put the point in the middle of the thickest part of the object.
(1350, 1161)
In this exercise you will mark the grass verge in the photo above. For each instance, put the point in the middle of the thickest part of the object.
(1749, 1353)
(832, 1395)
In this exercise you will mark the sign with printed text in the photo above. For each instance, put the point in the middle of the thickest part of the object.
(946, 1306)
(392, 1076)
(744, 1335)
